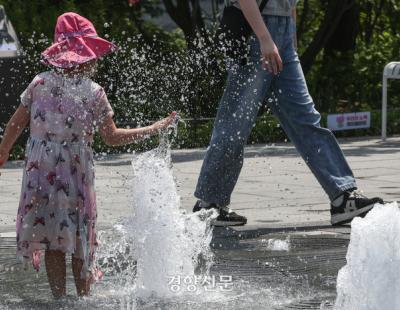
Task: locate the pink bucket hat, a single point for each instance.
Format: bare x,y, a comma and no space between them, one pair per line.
75,42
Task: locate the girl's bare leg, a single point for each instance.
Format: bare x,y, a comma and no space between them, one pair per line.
82,285
56,272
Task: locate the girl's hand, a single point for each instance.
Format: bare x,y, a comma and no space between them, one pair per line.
3,158
119,136
271,60
164,123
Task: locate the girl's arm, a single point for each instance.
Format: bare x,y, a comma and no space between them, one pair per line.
14,128
270,54
112,135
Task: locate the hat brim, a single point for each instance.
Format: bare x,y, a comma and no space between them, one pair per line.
75,51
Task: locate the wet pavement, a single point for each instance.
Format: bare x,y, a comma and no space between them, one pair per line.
302,276
309,265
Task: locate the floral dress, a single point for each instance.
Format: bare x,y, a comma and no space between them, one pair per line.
57,209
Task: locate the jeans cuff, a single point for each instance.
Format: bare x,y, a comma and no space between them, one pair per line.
342,189
219,202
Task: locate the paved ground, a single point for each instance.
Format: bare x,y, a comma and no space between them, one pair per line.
275,189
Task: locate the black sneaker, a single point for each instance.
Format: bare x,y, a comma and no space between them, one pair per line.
354,205
226,216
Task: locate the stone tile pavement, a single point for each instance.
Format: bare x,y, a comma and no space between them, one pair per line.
276,188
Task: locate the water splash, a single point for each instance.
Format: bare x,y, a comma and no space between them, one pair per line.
277,244
169,243
116,258
370,280
144,79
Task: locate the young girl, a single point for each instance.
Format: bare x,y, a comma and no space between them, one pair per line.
57,210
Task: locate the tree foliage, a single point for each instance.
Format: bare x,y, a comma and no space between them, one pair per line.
343,46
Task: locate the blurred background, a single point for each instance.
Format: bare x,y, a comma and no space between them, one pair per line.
167,60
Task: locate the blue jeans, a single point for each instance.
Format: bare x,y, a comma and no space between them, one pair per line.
247,87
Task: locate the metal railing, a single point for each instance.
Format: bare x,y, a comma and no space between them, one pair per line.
391,71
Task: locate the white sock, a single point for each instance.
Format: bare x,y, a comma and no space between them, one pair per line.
204,204
338,201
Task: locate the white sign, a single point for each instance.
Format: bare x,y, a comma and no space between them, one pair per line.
348,121
9,44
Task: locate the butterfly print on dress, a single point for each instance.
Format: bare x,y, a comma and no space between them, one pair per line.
39,220
60,108
25,244
51,176
41,114
77,158
46,199
49,136
81,196
33,165
75,138
46,242
63,224
85,219
47,150
72,216
56,91
63,176
30,186
73,170
63,187
59,159
28,208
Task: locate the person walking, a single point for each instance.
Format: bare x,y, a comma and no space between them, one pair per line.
273,69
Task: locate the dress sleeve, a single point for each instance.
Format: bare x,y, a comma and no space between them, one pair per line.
27,94
102,106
